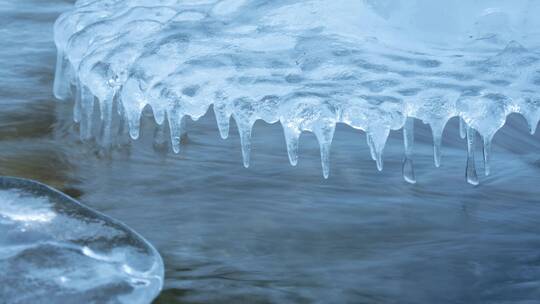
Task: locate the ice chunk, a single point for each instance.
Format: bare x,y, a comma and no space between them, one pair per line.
308,64
54,250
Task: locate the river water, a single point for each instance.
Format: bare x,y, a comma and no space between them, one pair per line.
275,233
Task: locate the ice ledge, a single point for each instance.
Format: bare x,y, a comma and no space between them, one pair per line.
306,64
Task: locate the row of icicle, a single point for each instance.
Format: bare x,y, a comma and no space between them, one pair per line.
84,111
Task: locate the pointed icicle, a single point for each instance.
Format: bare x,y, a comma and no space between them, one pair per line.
223,121
462,128
134,128
87,106
325,158
102,103
487,154
470,173
133,115
379,161
159,115
106,114
437,139
377,140
292,136
61,86
532,128
532,122
77,105
244,130
436,132
325,134
175,127
408,140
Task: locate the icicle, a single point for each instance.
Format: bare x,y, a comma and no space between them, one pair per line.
291,139
325,158
134,128
408,140
532,122
325,134
106,114
87,106
470,174
437,150
244,130
77,105
487,154
532,128
102,103
61,86
462,128
436,132
133,116
379,161
222,119
159,115
175,127
377,140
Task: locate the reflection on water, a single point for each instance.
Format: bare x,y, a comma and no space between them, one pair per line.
275,233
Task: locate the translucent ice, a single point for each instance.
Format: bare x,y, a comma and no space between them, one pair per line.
308,64
54,250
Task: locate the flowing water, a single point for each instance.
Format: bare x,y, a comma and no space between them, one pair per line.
275,233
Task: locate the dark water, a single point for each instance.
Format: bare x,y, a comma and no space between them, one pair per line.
274,233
